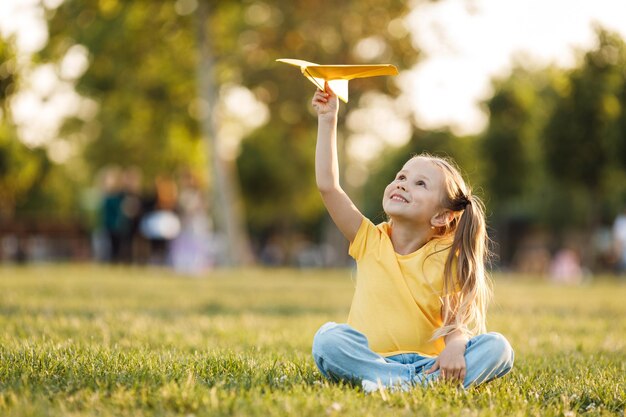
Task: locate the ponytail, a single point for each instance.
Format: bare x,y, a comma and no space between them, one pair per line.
466,288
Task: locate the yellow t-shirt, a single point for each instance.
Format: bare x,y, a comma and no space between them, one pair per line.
397,302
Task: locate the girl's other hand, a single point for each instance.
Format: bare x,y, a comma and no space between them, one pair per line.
451,362
325,102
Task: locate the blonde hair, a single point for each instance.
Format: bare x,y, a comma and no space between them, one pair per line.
466,290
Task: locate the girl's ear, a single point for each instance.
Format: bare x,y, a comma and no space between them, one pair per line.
442,219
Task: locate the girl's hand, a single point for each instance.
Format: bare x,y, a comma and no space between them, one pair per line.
451,362
325,102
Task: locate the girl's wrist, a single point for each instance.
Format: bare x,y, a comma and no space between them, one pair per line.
456,338
459,341
327,118
457,347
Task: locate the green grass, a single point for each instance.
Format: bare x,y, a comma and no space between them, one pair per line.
95,341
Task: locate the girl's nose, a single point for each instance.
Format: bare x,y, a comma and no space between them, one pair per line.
400,186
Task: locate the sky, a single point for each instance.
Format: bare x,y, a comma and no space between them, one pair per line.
466,43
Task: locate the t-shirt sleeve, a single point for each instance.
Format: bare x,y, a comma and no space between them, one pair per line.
366,233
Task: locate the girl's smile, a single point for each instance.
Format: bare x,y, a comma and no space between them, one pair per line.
398,197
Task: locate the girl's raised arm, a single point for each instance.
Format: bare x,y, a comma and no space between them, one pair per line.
341,209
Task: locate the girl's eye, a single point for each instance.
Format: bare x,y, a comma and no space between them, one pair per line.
420,183
401,177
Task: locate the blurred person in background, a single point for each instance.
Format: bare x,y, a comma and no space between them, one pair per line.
131,211
565,267
619,238
111,216
160,222
191,250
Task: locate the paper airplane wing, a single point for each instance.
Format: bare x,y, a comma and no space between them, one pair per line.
338,76
350,72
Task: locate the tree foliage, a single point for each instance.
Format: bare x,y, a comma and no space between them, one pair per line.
142,71
21,169
586,135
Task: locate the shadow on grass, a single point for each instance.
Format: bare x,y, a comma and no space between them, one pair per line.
289,310
210,309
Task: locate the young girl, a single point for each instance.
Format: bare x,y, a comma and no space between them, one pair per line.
421,287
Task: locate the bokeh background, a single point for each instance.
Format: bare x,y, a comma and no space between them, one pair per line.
164,132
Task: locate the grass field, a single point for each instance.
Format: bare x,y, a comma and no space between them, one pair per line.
95,341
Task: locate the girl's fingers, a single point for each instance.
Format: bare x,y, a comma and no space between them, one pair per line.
321,101
327,89
448,373
320,95
433,368
325,93
451,374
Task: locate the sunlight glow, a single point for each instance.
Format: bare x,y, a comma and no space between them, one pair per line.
25,20
378,121
466,43
74,63
239,113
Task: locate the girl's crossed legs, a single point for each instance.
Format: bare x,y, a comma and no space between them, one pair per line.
342,354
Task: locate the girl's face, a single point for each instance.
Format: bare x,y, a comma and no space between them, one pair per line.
416,192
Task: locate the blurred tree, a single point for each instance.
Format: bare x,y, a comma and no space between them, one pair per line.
145,67
142,67
552,148
505,143
585,137
515,178
21,169
227,196
144,58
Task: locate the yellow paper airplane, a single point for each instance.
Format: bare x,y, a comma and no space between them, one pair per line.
338,76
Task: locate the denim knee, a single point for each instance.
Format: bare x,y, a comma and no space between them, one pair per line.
327,338
500,350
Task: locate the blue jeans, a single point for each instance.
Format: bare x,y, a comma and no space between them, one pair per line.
342,354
